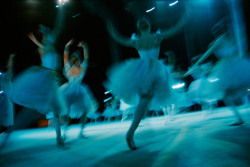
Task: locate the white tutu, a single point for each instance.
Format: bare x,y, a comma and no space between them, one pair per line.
229,77
134,77
232,74
110,112
79,99
36,88
199,92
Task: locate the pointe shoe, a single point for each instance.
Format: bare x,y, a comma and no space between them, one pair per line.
131,143
60,142
82,136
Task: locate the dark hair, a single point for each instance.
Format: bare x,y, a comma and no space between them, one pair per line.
77,54
143,23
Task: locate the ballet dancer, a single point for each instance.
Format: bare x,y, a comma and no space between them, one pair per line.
79,99
143,82
37,87
229,78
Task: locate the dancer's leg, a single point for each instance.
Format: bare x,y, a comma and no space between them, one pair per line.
139,113
67,120
57,122
83,121
231,104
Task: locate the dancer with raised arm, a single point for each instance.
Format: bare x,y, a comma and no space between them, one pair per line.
79,99
229,79
143,82
37,87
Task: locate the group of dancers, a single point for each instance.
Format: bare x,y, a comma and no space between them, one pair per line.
145,82
38,87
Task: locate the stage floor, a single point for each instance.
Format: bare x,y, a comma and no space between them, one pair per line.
187,141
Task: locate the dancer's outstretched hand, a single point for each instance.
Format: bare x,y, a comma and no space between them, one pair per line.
82,44
70,42
32,36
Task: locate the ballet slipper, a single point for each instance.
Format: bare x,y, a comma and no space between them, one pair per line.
64,137
131,143
82,136
60,142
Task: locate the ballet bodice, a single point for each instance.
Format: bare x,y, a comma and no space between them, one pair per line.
75,78
50,58
149,54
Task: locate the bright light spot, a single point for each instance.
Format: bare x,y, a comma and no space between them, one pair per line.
248,90
61,2
107,92
172,4
213,79
179,85
1,91
149,10
0,73
107,99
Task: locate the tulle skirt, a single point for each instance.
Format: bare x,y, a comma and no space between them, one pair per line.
135,77
199,92
37,88
6,111
79,99
229,77
110,112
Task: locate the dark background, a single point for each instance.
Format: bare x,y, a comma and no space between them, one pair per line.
84,20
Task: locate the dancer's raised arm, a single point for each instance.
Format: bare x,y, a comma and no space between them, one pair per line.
85,49
10,63
66,52
178,27
85,55
117,36
33,39
213,46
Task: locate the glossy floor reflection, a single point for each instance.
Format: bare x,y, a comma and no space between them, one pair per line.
187,141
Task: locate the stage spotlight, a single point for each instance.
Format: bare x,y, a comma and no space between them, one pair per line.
61,2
